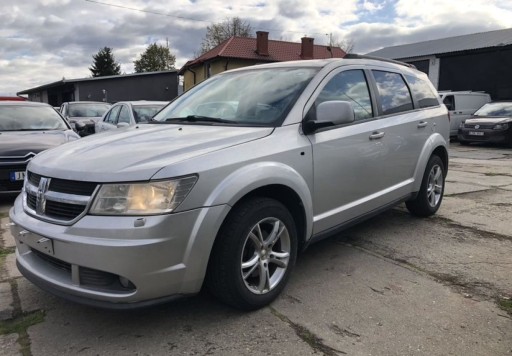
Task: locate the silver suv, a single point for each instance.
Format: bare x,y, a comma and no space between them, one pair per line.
230,182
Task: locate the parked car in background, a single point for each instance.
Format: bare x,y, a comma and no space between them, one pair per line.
290,153
491,123
461,105
129,113
27,128
83,115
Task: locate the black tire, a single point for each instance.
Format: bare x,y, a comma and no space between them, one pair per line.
235,244
430,196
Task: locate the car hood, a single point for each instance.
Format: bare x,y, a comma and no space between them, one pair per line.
138,152
19,143
488,120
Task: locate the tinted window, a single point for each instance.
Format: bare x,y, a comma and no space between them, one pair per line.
422,92
349,86
394,94
449,102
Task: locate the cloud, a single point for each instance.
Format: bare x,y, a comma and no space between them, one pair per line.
40,42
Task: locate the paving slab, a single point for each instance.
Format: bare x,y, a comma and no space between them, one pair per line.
6,305
8,345
33,298
489,210
365,305
6,238
478,179
197,326
10,266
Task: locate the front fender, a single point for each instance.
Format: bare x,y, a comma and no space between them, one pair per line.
251,177
434,141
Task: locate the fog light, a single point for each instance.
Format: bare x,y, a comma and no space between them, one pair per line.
125,282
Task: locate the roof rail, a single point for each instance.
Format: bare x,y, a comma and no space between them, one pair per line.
362,56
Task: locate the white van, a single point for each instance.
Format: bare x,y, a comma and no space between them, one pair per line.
461,105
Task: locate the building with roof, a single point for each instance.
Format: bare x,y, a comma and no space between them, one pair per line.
237,52
159,86
478,62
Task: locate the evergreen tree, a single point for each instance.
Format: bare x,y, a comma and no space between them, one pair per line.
104,63
154,59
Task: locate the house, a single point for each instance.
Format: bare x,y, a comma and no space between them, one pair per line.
237,52
478,62
138,86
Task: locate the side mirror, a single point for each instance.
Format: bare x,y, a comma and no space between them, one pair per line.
122,124
331,113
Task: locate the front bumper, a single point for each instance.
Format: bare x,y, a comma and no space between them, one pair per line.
486,135
117,262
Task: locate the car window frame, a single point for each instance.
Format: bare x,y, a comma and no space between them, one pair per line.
109,112
128,110
310,114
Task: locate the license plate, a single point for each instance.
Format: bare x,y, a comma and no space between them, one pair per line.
476,133
16,176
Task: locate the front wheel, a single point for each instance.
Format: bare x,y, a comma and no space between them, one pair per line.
429,198
253,254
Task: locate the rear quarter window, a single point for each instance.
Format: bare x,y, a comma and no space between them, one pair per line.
422,92
394,93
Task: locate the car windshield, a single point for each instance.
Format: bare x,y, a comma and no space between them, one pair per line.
146,112
30,118
87,110
258,97
495,109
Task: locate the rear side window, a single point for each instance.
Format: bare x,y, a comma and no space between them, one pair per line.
449,101
112,115
349,86
393,92
421,92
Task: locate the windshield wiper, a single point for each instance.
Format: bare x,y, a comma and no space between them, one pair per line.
198,118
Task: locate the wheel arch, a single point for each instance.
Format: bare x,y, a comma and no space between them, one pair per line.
437,145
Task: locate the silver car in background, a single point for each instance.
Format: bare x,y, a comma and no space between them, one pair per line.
231,181
129,113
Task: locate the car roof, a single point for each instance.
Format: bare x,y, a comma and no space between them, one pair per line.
88,102
22,103
143,102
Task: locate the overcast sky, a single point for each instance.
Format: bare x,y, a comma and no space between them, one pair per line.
42,41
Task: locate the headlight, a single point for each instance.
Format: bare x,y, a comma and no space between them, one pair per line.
142,198
500,127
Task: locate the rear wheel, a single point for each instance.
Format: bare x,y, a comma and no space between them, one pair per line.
429,197
253,255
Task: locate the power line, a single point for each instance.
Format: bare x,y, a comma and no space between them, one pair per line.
183,17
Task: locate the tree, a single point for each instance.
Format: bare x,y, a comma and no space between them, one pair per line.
156,58
221,31
104,63
346,44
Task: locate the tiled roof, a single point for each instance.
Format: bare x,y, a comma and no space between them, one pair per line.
279,51
447,45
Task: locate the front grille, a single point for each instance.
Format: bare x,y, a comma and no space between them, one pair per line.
65,200
64,211
52,261
88,277
6,185
483,127
93,277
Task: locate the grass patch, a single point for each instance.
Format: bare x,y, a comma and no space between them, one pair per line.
6,251
505,304
20,324
4,215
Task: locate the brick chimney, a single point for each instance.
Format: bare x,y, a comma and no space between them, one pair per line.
262,43
306,51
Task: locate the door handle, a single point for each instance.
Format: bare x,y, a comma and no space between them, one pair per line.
376,135
422,124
